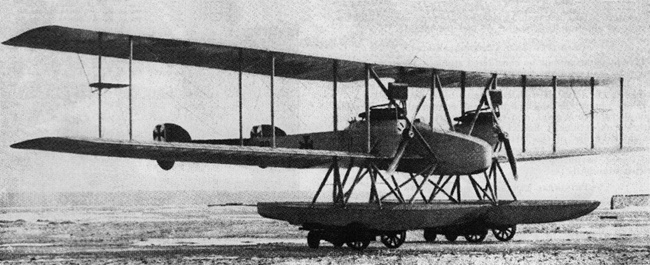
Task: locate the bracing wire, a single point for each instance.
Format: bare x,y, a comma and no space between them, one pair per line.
291,111
199,118
596,110
83,68
578,100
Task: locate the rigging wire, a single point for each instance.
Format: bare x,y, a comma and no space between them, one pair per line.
199,118
297,115
267,86
83,68
576,98
595,111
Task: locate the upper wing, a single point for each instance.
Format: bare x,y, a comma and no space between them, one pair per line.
290,65
192,152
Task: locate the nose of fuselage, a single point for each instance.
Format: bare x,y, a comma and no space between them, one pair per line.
456,153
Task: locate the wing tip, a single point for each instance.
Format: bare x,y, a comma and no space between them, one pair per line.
28,144
11,42
19,40
35,143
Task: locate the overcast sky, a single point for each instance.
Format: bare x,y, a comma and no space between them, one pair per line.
45,93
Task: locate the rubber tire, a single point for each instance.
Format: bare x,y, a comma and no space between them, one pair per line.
430,235
394,239
504,233
313,239
476,238
451,238
358,245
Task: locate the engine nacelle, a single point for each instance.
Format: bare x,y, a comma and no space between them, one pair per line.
483,128
169,132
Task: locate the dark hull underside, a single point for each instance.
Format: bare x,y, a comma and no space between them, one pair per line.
393,216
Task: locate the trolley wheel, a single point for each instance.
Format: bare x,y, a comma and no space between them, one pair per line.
313,239
393,239
429,235
357,236
475,238
504,233
451,237
358,244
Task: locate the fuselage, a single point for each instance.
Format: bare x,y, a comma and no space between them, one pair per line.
455,153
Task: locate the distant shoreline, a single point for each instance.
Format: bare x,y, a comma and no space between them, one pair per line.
144,198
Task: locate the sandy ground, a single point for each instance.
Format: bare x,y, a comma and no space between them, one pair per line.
192,234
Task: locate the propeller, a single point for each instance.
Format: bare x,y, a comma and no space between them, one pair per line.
407,135
503,138
409,126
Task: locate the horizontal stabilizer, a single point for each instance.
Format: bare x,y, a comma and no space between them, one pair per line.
193,152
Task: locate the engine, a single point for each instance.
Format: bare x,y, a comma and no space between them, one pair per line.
485,125
483,128
169,132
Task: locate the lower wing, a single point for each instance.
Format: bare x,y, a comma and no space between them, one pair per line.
533,156
193,152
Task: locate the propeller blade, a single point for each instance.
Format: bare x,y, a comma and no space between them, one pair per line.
503,137
398,156
424,143
511,156
406,138
418,108
417,132
408,122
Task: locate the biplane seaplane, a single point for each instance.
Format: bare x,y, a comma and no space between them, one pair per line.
413,169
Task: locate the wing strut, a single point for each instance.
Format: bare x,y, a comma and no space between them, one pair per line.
99,79
463,78
480,105
240,66
591,83
438,84
130,88
335,80
554,83
367,100
272,100
523,113
432,97
102,85
620,127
